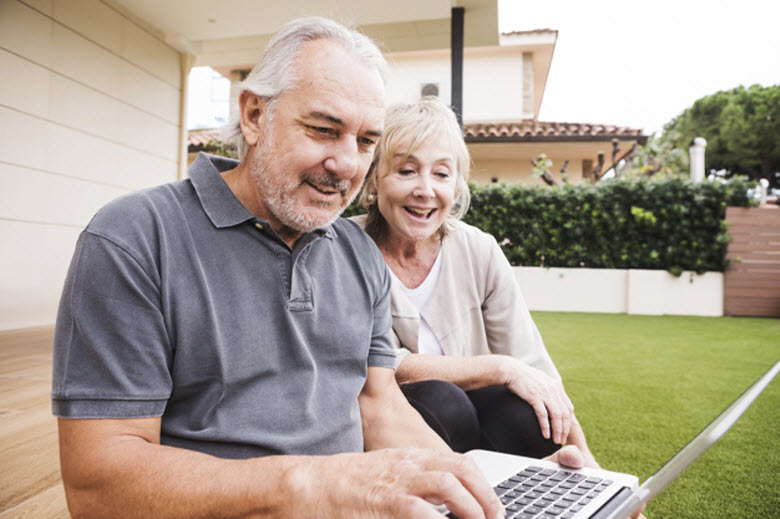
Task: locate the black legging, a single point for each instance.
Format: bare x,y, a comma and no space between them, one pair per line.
491,418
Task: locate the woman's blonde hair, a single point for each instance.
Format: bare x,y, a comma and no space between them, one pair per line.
407,127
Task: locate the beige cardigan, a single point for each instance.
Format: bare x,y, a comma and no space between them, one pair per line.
476,307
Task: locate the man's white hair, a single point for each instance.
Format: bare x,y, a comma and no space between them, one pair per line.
275,71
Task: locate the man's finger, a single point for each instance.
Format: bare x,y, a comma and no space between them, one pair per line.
414,506
469,477
480,488
472,479
448,489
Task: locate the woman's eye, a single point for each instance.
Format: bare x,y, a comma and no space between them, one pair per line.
442,174
405,171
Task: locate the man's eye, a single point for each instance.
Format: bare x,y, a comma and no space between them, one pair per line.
322,130
366,142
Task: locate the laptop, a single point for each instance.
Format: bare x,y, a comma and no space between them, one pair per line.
539,489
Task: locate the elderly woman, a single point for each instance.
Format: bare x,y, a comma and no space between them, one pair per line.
471,359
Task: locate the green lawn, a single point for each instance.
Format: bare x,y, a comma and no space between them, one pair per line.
645,385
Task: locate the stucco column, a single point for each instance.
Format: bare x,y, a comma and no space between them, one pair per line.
763,185
186,61
696,150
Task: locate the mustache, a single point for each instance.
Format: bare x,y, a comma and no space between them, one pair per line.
328,180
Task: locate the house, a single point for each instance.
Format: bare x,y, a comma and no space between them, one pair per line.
503,89
92,106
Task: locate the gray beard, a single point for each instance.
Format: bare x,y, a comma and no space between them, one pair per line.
278,196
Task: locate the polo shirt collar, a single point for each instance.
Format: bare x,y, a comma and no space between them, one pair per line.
218,201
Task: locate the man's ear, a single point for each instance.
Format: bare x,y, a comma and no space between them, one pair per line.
253,111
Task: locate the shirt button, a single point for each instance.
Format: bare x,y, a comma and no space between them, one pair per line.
259,225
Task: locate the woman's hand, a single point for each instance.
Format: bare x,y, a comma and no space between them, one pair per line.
573,457
545,394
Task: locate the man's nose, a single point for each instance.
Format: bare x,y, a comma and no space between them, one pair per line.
342,160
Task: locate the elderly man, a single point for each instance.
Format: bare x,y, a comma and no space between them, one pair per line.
216,333
218,336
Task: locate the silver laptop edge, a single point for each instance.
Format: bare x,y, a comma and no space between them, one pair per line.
695,448
497,467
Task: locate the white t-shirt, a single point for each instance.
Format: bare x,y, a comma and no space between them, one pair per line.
428,343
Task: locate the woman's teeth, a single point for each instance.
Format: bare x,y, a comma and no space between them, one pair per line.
420,212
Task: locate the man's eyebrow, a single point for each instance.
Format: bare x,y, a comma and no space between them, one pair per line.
326,117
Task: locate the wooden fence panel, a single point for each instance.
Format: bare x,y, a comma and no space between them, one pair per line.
752,281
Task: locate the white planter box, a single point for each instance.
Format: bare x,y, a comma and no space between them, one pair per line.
649,292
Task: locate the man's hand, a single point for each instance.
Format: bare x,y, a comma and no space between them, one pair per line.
545,394
117,468
399,483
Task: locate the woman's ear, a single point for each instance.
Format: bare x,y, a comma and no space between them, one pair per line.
370,186
253,111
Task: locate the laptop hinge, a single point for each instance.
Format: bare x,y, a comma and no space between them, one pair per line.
610,506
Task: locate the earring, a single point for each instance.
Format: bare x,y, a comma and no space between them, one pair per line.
371,197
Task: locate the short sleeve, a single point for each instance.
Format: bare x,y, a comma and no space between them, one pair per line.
112,355
382,350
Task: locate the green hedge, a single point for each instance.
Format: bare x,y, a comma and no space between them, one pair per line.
666,223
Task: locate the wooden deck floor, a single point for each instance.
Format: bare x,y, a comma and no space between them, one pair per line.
30,484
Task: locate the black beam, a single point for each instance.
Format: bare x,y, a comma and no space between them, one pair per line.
456,62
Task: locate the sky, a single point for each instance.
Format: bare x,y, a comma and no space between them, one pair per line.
628,63
640,64
208,99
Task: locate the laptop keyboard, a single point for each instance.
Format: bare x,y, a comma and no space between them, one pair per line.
537,493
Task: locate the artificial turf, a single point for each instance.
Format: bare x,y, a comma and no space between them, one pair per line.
643,386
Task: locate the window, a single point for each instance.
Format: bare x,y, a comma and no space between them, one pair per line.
429,89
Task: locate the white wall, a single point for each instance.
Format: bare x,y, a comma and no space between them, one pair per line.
645,292
520,169
487,96
409,70
493,85
89,110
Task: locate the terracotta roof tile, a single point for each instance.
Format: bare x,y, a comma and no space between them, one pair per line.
200,138
531,130
526,130
532,31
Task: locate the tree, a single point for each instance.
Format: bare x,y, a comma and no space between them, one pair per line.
217,147
741,126
659,156
541,168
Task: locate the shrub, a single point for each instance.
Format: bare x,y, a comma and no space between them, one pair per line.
665,223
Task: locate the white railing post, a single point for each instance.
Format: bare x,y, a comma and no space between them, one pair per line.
764,187
697,158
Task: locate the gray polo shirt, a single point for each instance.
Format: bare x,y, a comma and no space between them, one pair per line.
180,303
